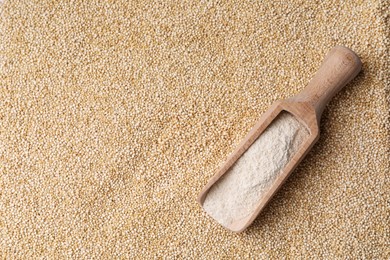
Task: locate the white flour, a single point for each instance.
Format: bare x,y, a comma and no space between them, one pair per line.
237,193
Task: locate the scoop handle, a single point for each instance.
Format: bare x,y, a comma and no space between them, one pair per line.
339,67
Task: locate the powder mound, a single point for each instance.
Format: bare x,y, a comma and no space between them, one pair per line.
237,193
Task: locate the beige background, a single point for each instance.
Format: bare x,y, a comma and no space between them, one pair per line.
114,115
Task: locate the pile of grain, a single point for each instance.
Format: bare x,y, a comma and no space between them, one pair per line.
113,116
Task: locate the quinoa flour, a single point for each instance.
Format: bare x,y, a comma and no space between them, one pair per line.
237,193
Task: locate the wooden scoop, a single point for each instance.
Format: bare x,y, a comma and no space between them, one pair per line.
339,67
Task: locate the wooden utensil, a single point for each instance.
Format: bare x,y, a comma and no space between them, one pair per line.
339,67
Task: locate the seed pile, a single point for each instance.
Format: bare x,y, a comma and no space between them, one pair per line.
114,115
